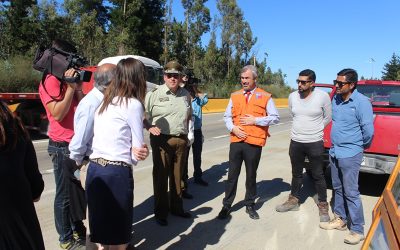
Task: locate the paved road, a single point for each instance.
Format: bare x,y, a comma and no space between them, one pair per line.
293,230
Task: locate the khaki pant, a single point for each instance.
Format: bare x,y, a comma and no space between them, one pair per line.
169,153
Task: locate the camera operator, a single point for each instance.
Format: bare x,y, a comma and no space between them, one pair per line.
199,99
60,99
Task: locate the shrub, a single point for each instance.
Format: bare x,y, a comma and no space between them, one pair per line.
17,75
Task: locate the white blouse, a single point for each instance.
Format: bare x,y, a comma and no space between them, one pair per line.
117,130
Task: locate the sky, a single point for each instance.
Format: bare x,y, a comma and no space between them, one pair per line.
323,35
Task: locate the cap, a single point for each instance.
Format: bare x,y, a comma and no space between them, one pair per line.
173,67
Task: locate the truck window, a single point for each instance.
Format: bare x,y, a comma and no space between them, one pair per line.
153,75
325,89
382,95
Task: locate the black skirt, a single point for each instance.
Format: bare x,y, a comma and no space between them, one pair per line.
109,193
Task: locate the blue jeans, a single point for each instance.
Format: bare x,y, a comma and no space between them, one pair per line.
347,202
62,165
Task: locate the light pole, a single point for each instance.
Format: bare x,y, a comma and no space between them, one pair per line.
371,60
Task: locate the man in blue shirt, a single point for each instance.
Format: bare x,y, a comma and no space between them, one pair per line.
352,132
199,99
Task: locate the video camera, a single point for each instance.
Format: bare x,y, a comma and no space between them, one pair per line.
56,62
191,79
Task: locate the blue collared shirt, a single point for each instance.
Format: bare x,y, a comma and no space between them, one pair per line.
81,143
270,119
197,103
352,125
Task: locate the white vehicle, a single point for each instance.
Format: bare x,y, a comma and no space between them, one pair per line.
154,70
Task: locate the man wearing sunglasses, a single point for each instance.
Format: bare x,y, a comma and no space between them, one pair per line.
311,111
352,132
249,113
168,110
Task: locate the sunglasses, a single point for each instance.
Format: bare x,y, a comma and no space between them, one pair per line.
302,82
174,75
339,83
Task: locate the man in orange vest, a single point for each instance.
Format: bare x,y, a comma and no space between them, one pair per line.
250,112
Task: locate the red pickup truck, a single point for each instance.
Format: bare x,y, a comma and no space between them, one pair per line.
381,157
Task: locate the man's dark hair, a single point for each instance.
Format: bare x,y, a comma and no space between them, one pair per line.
310,73
350,75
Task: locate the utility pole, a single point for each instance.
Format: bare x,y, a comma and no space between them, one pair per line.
121,49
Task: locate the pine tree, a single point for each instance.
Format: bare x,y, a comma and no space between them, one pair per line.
391,70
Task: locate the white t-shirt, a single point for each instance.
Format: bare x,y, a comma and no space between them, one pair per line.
117,130
310,115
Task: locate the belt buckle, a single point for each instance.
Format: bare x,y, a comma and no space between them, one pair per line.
102,162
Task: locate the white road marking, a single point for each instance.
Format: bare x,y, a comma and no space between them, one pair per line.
40,141
221,136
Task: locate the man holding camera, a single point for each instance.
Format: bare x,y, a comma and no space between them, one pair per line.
60,99
199,99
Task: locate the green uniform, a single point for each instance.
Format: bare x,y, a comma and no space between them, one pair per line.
168,111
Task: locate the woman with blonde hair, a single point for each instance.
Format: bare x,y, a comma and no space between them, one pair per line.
118,128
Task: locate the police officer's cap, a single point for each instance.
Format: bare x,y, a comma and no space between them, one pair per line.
173,67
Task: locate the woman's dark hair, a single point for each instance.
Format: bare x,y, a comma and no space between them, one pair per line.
11,129
129,81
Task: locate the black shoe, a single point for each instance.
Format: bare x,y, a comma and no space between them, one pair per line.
162,222
201,182
182,214
224,213
252,213
186,195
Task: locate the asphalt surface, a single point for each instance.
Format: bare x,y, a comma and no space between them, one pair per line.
292,230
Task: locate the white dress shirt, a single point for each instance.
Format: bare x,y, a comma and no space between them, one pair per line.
81,143
117,130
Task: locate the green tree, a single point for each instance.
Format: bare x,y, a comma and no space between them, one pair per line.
77,8
51,24
175,44
18,31
236,35
197,23
88,19
391,70
136,26
212,62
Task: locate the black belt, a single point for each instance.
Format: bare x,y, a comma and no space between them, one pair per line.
176,136
58,144
103,162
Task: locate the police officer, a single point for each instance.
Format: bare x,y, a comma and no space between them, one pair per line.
168,110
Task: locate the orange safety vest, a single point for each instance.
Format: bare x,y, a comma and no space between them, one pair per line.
257,105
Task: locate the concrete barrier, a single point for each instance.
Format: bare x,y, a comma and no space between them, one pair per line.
219,105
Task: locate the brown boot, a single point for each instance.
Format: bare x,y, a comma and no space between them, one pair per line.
323,207
292,204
